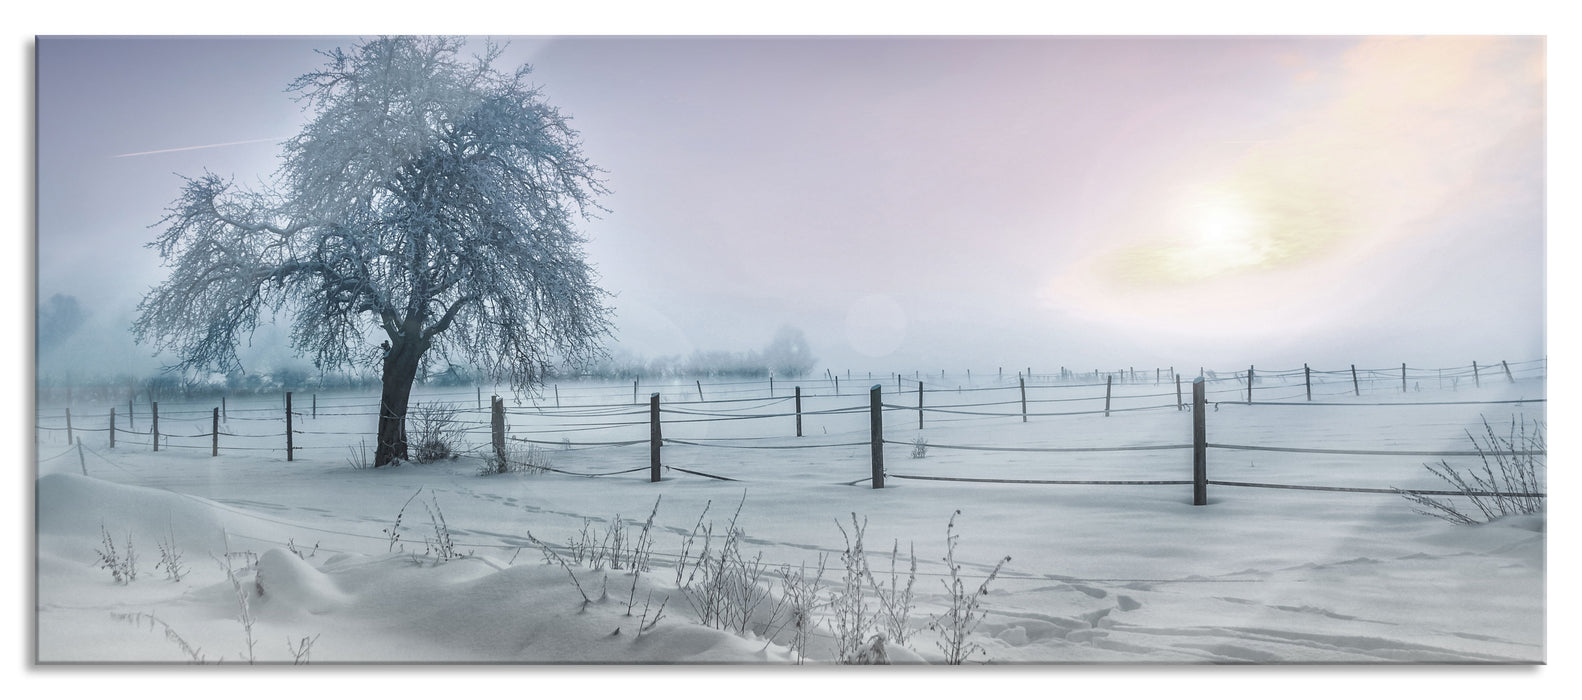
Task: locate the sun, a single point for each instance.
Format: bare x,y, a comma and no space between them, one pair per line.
1222,235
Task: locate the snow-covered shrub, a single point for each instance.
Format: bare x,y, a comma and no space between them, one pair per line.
301,650
725,588
359,458
800,598
851,618
871,653
746,588
123,568
704,587
169,558
690,540
291,546
528,459
895,600
964,613
919,447
441,548
393,533
1499,488
584,548
138,618
245,615
550,555
641,551
434,432
645,624
618,547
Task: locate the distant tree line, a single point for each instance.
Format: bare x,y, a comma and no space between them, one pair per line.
787,355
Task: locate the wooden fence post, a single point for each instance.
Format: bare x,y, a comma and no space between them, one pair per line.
81,461
1507,371
1307,378
837,386
1178,390
1249,383
634,391
771,386
700,388
876,430
155,410
69,439
1355,388
799,411
497,429
557,396
112,427
480,399
1199,444
315,407
224,414
919,405
1108,379
1023,384
214,449
1403,377
654,437
1475,381
131,416
290,449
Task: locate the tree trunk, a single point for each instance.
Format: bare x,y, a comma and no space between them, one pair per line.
400,370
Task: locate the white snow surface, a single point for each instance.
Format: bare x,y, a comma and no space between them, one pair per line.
1098,573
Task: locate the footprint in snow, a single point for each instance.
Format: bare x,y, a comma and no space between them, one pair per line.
1090,591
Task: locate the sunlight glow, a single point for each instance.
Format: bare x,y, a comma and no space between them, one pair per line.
1224,236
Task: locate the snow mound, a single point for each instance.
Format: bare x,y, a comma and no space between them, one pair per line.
288,581
73,508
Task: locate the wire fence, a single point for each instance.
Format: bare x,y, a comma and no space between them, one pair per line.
189,428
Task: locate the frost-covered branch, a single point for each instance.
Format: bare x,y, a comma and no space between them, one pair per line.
430,201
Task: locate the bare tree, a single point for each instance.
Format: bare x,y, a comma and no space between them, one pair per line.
425,212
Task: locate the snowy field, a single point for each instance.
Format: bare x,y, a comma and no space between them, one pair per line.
1098,572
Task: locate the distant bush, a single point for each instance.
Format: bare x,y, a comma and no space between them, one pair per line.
786,355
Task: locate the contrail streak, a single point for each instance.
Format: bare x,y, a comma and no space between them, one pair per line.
194,148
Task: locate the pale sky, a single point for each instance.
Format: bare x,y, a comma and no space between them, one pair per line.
936,203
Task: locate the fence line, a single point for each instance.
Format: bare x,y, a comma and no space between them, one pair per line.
1128,448
1496,494
1377,453
671,441
1048,482
752,409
